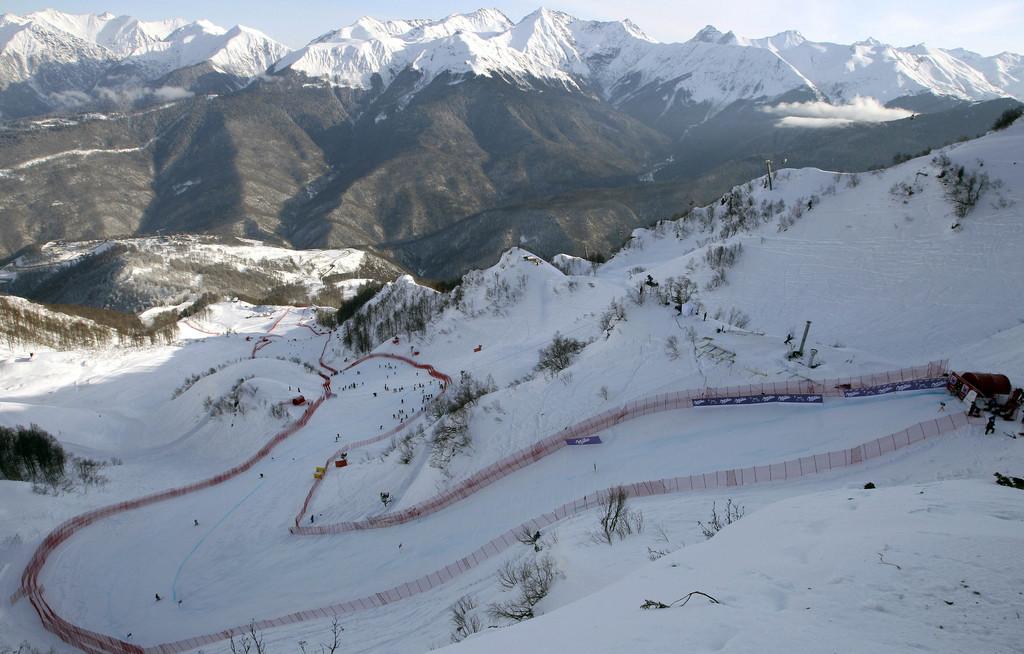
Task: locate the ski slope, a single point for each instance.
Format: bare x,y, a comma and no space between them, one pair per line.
247,559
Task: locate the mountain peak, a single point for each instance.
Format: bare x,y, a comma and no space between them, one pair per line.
788,39
709,34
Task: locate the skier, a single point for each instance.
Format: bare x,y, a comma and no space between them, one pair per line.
789,338
990,426
157,596
195,522
312,519
942,406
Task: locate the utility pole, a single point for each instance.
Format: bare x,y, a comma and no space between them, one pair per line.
768,165
803,340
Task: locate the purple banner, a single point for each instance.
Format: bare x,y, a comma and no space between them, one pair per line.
812,398
897,387
585,440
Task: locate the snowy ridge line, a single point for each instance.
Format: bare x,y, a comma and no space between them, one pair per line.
789,470
440,376
932,373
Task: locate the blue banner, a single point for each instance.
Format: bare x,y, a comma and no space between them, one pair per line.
813,398
897,387
585,440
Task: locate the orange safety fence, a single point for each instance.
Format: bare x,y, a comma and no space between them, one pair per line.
631,410
93,642
721,479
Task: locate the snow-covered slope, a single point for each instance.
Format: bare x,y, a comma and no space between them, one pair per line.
819,242
850,570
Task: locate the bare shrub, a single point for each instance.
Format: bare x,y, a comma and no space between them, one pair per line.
247,641
88,471
617,519
672,347
560,354
963,187
449,438
737,318
723,256
615,312
531,580
463,619
407,446
718,278
733,512
461,394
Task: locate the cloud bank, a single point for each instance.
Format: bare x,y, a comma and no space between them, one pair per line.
822,114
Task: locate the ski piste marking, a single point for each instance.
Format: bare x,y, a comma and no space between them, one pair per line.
94,642
195,548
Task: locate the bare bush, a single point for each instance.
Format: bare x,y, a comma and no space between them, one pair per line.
247,641
733,512
737,318
672,347
233,401
617,519
963,187
461,394
449,438
560,354
407,446
531,580
718,279
464,620
615,313
723,256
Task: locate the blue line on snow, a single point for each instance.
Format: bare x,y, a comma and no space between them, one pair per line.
174,584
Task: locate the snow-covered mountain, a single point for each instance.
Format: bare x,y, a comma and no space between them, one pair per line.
51,60
875,69
239,51
610,57
122,35
55,52
617,59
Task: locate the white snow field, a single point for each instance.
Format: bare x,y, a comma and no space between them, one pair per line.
927,561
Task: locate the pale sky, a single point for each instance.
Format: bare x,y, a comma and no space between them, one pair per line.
985,26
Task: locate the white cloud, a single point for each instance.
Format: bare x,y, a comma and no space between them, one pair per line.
823,114
128,95
805,121
168,93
